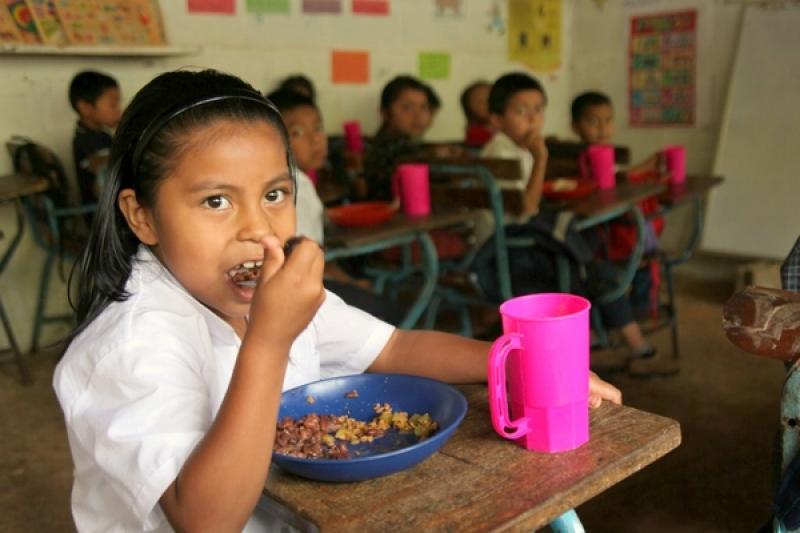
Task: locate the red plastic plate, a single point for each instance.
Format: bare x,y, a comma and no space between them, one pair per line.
362,214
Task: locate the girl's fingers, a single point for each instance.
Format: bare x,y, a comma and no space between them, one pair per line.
273,257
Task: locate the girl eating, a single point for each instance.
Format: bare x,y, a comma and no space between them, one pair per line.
192,320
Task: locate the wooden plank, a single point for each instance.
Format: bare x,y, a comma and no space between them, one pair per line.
620,197
19,185
479,481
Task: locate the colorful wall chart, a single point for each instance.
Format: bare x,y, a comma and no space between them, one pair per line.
661,79
23,17
534,33
47,23
9,33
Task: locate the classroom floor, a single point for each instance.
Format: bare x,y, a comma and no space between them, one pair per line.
719,479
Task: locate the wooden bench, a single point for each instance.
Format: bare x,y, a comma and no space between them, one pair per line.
562,160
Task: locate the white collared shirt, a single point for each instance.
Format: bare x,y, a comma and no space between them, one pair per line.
140,386
503,147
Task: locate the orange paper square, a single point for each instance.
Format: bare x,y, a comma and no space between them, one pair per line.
349,67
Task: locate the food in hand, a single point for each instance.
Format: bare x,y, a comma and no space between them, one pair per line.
326,436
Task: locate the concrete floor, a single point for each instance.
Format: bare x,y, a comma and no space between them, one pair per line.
719,479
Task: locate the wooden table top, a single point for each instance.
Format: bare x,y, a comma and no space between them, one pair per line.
399,224
692,187
622,196
479,482
18,185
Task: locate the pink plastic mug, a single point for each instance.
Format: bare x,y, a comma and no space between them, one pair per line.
353,142
675,161
410,183
546,346
597,163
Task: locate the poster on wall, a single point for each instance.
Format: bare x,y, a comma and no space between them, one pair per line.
9,33
46,20
534,33
370,7
661,77
350,66
23,18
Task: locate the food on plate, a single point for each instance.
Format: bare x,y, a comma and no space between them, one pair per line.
326,436
352,394
310,399
564,184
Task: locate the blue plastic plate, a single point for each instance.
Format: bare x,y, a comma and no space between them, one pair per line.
395,451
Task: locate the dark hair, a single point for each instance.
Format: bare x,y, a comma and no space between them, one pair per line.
507,86
153,129
89,86
584,101
300,84
287,101
465,94
391,91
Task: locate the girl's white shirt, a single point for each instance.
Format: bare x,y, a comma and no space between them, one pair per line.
140,386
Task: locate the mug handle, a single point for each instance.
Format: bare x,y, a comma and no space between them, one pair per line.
498,399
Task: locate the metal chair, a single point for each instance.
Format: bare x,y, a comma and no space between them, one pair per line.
58,227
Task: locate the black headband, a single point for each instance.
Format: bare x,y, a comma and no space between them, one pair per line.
160,121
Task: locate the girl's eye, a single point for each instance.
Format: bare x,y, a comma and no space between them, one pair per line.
276,196
217,202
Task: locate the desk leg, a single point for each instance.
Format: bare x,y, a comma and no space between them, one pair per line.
567,523
25,374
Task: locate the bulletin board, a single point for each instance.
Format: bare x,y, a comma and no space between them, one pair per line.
81,22
756,210
662,58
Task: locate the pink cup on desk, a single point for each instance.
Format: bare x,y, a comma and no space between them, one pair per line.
597,163
410,183
675,161
546,346
353,141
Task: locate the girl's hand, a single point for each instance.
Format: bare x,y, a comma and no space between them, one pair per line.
600,390
289,291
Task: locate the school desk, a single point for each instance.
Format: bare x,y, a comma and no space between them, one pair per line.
12,189
400,230
479,481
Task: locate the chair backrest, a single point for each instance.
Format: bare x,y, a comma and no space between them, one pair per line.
31,158
562,160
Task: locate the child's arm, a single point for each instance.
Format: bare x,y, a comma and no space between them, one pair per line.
219,485
533,190
456,359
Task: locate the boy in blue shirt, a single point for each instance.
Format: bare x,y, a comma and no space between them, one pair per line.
95,97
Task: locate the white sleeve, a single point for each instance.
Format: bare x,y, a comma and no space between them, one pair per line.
348,339
142,411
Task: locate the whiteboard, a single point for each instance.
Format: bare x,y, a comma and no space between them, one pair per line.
756,210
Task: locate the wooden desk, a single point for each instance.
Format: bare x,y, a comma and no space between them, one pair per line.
603,205
12,189
479,481
400,230
693,187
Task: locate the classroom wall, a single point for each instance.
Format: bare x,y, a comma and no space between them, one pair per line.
600,61
263,49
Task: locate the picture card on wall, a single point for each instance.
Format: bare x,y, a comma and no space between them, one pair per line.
23,18
322,6
349,66
268,6
9,33
371,7
226,7
434,65
46,20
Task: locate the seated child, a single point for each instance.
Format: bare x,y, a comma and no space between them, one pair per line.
309,145
407,110
298,83
593,121
96,99
192,320
517,103
475,103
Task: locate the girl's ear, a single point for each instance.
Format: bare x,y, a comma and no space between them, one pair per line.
139,218
496,122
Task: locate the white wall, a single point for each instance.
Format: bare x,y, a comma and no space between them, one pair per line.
263,49
600,61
